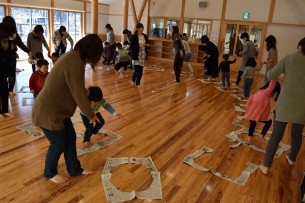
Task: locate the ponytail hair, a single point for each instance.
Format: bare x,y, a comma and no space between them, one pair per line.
302,45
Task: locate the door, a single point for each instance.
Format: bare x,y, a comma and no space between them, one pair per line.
230,39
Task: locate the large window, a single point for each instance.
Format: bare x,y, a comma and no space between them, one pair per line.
71,20
26,19
1,13
195,28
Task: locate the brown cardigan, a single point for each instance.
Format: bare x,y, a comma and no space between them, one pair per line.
63,91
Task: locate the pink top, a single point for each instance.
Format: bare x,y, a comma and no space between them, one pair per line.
258,106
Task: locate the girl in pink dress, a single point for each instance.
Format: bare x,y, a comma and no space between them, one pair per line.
258,107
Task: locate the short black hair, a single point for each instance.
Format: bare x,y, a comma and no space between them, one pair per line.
42,62
95,93
251,62
225,56
204,39
62,28
55,54
119,45
10,20
38,29
126,31
108,26
244,35
39,55
106,43
125,42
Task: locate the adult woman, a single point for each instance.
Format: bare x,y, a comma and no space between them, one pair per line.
272,57
35,40
138,45
112,45
7,33
247,52
64,90
290,105
179,52
60,40
17,42
212,56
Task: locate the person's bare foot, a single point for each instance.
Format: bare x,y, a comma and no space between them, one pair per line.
58,179
86,144
291,163
1,116
249,140
87,172
264,169
132,84
8,115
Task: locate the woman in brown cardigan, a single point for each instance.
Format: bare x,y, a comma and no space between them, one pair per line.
64,90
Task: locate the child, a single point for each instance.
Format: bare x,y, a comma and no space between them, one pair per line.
258,107
105,53
122,59
248,74
188,53
54,57
38,78
33,60
97,100
224,67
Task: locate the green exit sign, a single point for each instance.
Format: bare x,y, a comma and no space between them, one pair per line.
246,15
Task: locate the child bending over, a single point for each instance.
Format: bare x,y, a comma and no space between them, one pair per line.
122,59
258,107
97,100
38,77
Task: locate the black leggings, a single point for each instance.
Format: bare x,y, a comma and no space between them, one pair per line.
137,74
265,129
238,79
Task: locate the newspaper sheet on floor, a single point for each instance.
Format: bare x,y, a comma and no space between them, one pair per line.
154,68
238,107
225,89
114,195
206,81
27,101
24,89
238,122
111,138
105,67
241,180
238,97
233,137
28,127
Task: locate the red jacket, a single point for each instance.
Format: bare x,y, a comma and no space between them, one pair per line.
37,81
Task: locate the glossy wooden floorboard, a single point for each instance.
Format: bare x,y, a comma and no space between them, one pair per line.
160,120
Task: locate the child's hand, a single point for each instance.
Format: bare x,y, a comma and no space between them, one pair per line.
94,120
32,91
235,56
115,114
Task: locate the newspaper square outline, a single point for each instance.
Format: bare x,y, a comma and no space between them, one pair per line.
24,91
112,194
240,180
27,101
238,107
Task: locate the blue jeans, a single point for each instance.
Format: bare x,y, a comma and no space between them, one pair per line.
62,141
247,86
90,127
225,76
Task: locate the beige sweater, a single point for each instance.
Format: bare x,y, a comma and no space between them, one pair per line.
64,90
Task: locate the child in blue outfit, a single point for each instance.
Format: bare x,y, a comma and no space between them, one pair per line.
97,100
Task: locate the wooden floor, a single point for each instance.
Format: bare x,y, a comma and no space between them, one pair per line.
160,120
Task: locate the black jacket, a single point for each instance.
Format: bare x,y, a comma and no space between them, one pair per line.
135,47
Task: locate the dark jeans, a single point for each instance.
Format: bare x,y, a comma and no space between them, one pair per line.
61,49
265,129
110,53
178,63
137,74
277,135
35,95
90,127
62,141
3,94
225,76
238,77
247,86
12,77
33,67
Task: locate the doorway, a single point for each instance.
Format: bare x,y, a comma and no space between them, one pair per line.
230,41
